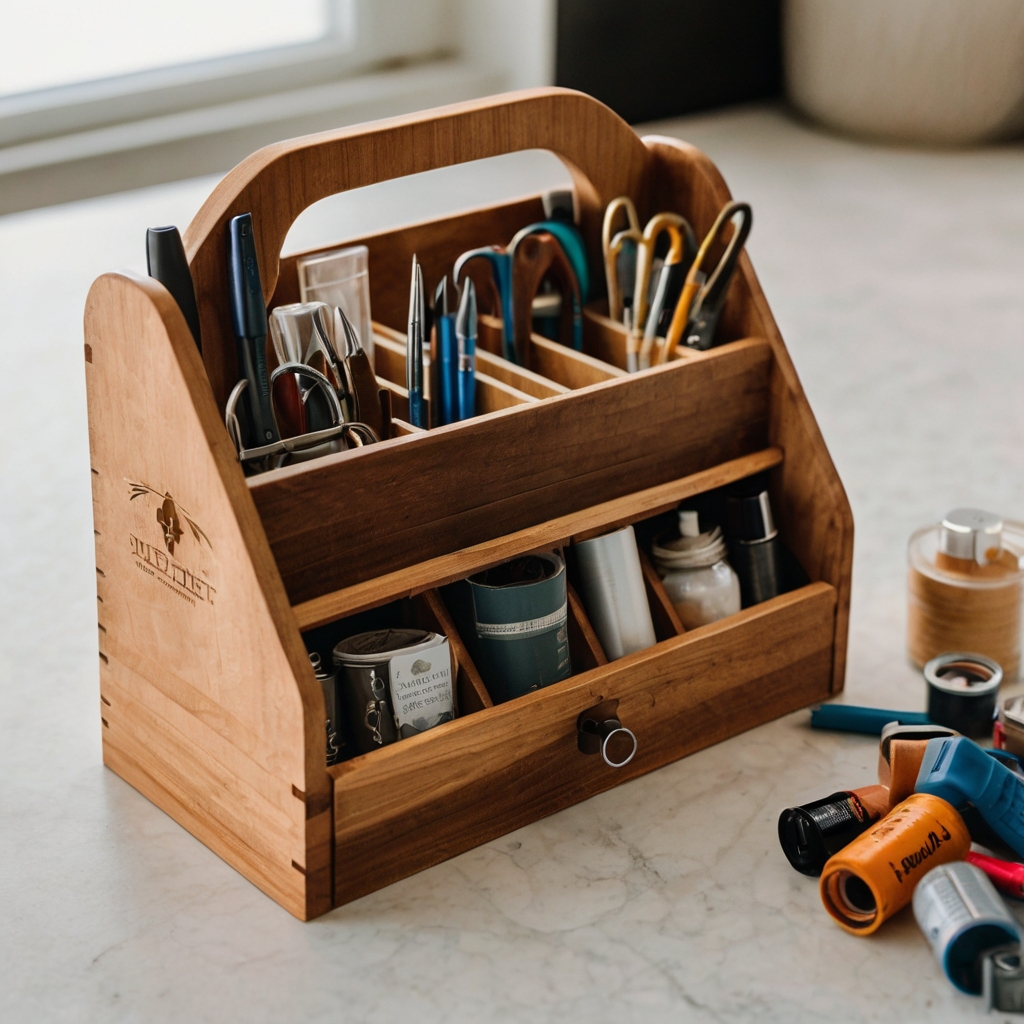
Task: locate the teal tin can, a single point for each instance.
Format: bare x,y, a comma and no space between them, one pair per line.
520,618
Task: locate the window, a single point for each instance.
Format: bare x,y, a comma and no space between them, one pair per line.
102,95
61,42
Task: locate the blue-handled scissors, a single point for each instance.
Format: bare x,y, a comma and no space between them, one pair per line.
501,268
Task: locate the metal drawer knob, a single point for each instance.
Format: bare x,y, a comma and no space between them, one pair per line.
599,731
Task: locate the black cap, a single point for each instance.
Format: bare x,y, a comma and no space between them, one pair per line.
748,512
812,833
166,262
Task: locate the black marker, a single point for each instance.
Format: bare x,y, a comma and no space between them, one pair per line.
249,316
165,261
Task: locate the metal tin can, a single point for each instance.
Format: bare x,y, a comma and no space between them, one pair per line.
520,617
963,918
328,681
394,683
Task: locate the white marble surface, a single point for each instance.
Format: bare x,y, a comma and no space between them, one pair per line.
897,278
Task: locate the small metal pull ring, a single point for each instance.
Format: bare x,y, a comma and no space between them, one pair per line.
615,737
599,731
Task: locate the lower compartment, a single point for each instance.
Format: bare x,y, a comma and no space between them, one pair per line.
418,802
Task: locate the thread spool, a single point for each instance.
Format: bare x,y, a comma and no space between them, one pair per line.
962,692
963,918
874,877
966,589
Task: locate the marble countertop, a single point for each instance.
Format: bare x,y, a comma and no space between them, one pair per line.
897,278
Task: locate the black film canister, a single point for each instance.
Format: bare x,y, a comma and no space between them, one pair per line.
962,691
813,832
754,548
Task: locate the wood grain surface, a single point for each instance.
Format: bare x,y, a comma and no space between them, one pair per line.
209,697
459,485
597,519
419,802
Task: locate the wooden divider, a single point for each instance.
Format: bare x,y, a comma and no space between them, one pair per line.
456,565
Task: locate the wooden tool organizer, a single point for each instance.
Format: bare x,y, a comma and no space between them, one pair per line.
206,580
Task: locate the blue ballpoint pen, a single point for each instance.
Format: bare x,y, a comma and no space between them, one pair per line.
249,316
447,358
465,334
414,348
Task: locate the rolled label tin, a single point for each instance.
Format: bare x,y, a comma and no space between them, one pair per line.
520,617
394,683
875,876
963,918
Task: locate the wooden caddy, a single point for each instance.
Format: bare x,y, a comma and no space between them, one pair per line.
206,579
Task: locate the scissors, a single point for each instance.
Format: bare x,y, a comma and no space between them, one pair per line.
619,251
352,434
703,295
534,256
501,267
677,229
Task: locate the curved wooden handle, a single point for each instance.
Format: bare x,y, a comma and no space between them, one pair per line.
278,182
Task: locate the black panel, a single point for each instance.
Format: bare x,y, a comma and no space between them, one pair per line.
649,59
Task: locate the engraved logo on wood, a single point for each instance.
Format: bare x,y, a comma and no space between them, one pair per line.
189,584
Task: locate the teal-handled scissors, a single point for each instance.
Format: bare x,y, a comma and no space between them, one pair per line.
501,268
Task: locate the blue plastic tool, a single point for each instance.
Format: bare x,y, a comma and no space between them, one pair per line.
871,721
960,772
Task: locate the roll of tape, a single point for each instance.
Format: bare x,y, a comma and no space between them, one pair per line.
962,692
875,876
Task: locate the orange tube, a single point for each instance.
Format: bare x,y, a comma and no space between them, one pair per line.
874,877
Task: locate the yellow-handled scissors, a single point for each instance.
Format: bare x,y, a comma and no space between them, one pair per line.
703,295
677,229
619,251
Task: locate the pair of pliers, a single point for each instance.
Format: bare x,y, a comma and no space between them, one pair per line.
707,282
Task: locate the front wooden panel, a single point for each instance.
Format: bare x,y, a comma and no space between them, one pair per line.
420,801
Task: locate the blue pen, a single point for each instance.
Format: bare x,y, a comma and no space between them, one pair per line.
414,347
465,333
447,358
850,718
249,316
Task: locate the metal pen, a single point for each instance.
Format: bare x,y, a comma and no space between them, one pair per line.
414,347
465,336
249,316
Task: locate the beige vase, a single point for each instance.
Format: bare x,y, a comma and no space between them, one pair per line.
947,72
